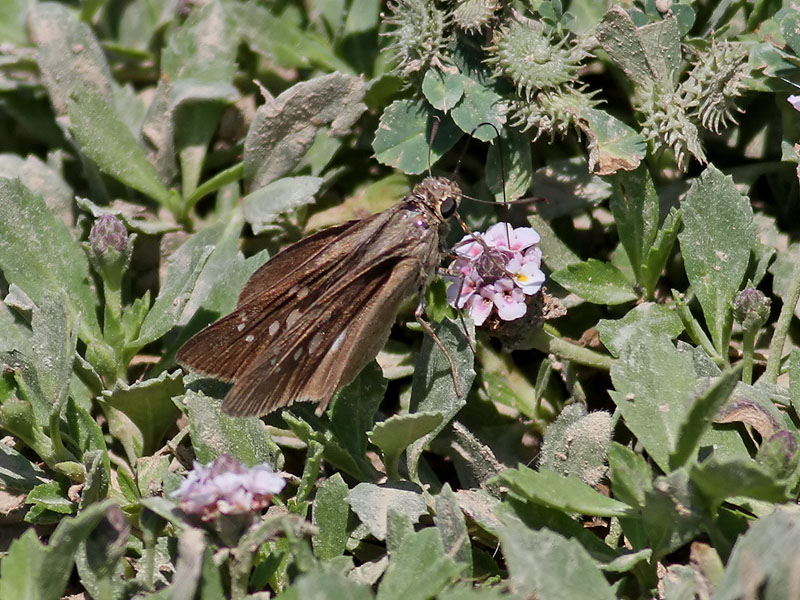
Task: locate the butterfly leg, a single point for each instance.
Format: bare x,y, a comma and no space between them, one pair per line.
459,277
429,330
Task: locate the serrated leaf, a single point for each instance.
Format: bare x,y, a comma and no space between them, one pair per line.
25,223
619,37
329,516
108,142
263,206
432,388
655,318
568,494
673,513
53,344
653,383
721,479
543,564
418,569
596,282
214,433
716,240
403,138
372,502
443,89
285,127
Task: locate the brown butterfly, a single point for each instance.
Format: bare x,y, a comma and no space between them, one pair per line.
318,312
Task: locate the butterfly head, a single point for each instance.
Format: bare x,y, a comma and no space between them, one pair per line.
440,195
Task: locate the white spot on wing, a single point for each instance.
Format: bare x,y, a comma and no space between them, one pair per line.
313,345
240,327
293,317
297,354
274,327
249,338
338,341
302,292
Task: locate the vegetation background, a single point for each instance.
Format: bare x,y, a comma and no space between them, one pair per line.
153,154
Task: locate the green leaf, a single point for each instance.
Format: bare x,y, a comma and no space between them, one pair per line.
452,526
352,412
655,318
418,569
576,444
634,204
108,142
514,180
14,332
264,205
479,104
767,553
432,388
53,343
613,145
372,502
139,415
329,516
33,571
42,179
69,56
569,188
321,585
621,39
397,432
568,494
543,564
214,433
403,138
285,127
596,282
17,472
673,513
25,223
653,383
631,476
721,479
699,417
443,89
716,241
182,271
658,254
282,41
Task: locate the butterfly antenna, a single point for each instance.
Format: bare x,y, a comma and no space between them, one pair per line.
434,131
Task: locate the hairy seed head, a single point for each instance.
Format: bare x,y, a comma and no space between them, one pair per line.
532,58
474,15
419,35
551,112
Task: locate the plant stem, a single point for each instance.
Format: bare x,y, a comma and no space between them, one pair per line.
748,345
546,340
782,328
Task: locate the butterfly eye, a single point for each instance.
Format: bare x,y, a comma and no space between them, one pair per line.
448,207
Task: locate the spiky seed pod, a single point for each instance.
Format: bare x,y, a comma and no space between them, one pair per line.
666,123
420,35
718,78
473,15
532,58
551,112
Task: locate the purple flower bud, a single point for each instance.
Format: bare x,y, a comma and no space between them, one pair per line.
751,308
226,487
779,453
498,268
108,232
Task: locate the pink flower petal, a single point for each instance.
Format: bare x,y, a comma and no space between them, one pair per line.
794,101
479,309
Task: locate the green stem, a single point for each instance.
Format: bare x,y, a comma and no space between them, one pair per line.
113,333
212,185
782,328
546,340
748,346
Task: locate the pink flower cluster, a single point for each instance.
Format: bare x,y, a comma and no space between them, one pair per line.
498,269
226,487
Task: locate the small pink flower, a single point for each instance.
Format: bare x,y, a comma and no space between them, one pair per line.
498,269
226,487
794,101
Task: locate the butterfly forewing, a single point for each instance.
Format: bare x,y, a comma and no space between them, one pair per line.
314,315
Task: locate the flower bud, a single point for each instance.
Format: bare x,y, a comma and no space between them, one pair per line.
751,308
109,246
779,453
